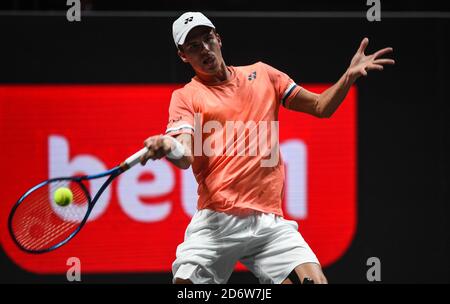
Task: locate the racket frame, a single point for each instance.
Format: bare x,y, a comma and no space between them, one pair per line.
112,173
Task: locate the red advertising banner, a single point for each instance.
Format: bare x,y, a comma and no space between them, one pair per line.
48,131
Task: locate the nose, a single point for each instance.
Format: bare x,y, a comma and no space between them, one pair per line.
205,46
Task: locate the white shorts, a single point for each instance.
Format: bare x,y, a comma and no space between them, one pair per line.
267,244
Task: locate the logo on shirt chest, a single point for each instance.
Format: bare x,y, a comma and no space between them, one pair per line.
252,76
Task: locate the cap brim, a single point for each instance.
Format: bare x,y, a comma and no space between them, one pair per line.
186,32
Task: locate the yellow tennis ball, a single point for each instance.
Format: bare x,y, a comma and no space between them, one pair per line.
63,196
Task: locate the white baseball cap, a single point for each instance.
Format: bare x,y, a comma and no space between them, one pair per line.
185,23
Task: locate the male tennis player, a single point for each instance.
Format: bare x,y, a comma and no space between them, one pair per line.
239,216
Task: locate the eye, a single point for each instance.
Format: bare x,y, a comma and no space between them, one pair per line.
193,46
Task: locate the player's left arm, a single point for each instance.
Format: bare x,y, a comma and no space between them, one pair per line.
325,104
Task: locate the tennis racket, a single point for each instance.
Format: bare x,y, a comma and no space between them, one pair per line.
38,225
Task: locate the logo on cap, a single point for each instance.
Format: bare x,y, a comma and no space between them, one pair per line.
188,20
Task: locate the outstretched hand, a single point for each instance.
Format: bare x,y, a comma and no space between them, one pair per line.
362,63
158,147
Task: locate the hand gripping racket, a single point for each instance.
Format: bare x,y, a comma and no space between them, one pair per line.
38,225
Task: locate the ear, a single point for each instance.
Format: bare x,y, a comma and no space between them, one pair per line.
182,56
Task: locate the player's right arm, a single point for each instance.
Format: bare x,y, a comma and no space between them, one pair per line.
160,146
177,143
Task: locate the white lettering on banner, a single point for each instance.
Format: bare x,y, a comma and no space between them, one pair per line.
74,12
295,157
131,190
374,272
60,165
271,150
374,12
74,272
189,194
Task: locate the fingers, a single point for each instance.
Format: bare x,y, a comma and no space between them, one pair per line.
377,66
374,67
146,157
150,153
384,61
147,143
363,72
383,52
143,159
156,149
363,45
153,155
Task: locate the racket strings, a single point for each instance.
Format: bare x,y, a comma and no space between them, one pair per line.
39,223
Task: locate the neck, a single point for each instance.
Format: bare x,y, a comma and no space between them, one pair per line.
222,75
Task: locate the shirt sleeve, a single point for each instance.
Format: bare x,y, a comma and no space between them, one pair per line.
181,116
284,86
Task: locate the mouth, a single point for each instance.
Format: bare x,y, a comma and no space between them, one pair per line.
209,60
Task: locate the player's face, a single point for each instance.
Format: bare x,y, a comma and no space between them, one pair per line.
202,50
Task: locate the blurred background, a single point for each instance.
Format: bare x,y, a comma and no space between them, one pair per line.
377,186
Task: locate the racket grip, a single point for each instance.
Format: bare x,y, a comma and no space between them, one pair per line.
134,159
